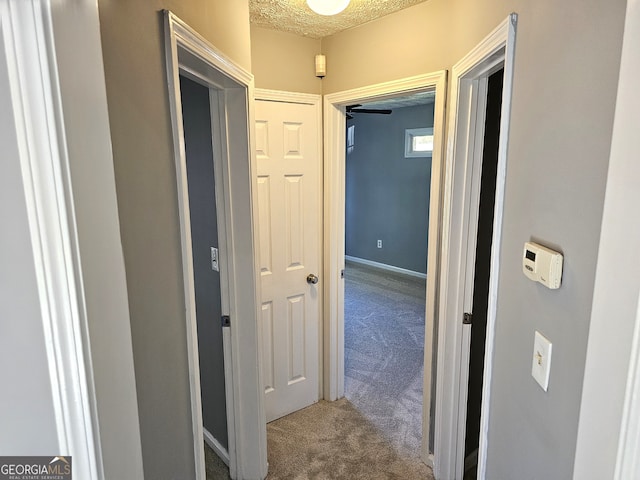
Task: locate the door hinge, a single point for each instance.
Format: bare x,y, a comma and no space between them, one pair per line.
226,321
467,318
214,259
342,273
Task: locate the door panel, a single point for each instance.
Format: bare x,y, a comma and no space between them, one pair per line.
267,352
289,216
264,222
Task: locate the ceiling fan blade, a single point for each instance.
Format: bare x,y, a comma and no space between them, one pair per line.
370,110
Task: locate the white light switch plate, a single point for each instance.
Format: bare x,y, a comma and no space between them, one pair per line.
541,365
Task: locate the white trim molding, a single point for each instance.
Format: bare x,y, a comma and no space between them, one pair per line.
460,209
334,221
189,53
627,461
384,266
287,97
216,446
27,35
625,147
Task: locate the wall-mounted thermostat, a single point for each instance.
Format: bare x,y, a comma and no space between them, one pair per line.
541,264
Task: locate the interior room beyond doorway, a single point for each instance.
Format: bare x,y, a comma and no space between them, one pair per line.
388,177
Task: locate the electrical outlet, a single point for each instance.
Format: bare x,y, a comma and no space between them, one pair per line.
541,365
379,243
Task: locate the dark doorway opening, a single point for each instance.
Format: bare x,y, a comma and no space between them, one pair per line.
482,271
196,114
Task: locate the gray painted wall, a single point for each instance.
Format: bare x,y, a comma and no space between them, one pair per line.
561,121
615,313
387,195
134,62
204,235
567,60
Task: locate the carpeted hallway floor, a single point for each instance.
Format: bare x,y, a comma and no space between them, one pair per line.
329,441
384,349
375,432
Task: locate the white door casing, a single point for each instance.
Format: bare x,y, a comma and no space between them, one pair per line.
54,98
34,144
289,163
334,221
190,54
460,209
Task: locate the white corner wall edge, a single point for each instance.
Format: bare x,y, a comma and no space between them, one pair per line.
613,349
627,461
72,210
26,43
82,107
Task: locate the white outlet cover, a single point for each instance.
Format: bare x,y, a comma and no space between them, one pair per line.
541,365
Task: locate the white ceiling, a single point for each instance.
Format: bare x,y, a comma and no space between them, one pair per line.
421,98
294,16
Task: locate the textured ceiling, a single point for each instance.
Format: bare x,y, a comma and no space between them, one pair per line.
421,98
294,16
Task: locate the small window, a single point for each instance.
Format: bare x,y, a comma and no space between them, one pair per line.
351,138
418,142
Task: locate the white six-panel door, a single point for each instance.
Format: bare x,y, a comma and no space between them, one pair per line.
289,222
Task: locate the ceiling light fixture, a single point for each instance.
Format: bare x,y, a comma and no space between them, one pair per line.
328,7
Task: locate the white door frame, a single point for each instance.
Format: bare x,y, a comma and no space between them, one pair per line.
334,221
34,88
316,101
71,206
460,213
232,113
70,198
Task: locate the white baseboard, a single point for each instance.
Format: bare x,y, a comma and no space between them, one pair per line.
384,266
216,447
471,460
429,461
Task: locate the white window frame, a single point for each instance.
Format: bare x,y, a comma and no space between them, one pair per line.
409,135
351,138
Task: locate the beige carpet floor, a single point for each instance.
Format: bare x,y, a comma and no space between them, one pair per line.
375,432
326,441
384,352
215,467
333,440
